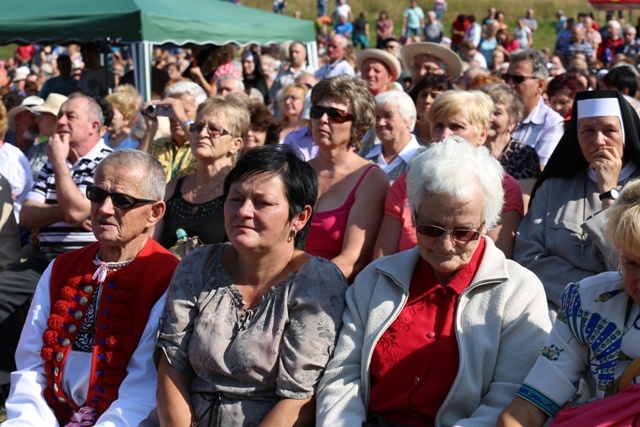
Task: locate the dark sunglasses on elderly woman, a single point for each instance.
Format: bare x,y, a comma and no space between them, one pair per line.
459,234
119,200
333,114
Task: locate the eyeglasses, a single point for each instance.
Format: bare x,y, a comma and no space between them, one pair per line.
515,78
119,200
333,114
427,69
459,234
214,131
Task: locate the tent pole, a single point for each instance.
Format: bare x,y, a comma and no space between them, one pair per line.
312,54
146,61
142,68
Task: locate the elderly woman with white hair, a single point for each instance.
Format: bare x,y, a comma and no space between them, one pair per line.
395,120
180,104
466,114
440,334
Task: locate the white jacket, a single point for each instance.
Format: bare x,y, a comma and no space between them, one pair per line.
501,324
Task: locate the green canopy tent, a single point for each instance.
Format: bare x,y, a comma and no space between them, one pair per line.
143,23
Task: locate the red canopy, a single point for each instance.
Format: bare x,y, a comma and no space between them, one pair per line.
615,4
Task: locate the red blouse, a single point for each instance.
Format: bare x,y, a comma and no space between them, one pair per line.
409,382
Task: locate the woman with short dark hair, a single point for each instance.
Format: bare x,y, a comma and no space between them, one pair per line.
248,326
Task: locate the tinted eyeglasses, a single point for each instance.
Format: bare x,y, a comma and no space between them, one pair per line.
459,234
119,200
214,131
333,114
515,78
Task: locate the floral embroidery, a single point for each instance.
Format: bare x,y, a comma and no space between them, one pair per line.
552,352
602,336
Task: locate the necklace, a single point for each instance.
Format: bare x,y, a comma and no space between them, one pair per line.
196,189
583,236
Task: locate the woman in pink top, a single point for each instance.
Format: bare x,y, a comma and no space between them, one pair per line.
351,190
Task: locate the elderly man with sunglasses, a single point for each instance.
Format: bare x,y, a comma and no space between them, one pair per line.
542,127
85,354
56,211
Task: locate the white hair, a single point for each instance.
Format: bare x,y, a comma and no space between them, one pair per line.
236,81
184,87
403,102
456,168
614,23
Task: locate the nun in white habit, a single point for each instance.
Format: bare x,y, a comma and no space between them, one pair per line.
561,237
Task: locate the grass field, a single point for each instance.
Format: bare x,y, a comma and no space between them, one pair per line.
545,13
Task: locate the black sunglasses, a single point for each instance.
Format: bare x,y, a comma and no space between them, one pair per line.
459,234
213,130
333,114
119,200
515,78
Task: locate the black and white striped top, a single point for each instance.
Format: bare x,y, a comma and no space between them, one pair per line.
61,236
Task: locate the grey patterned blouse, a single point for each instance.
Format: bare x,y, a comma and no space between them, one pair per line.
241,362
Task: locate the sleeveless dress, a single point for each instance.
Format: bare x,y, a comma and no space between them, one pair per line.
205,220
326,232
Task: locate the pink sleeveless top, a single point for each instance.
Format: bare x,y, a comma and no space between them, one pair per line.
326,232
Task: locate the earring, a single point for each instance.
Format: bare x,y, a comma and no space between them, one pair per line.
620,270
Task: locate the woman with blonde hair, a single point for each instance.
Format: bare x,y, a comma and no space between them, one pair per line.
595,337
466,114
291,100
195,202
125,103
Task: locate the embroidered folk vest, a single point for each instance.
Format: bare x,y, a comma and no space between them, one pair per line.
126,299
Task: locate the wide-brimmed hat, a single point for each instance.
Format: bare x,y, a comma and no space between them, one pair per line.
390,61
452,62
25,105
51,105
21,73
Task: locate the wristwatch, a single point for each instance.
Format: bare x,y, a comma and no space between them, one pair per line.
611,194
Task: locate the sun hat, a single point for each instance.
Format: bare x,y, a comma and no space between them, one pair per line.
390,61
51,105
25,105
452,62
21,74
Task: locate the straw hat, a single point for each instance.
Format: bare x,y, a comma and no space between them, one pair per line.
390,61
452,62
27,103
51,105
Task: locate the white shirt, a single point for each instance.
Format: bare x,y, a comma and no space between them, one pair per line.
14,166
26,405
400,163
336,69
541,129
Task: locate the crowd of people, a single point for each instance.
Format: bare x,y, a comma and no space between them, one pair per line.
439,230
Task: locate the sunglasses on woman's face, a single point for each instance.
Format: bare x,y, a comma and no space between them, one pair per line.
459,234
119,200
333,114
